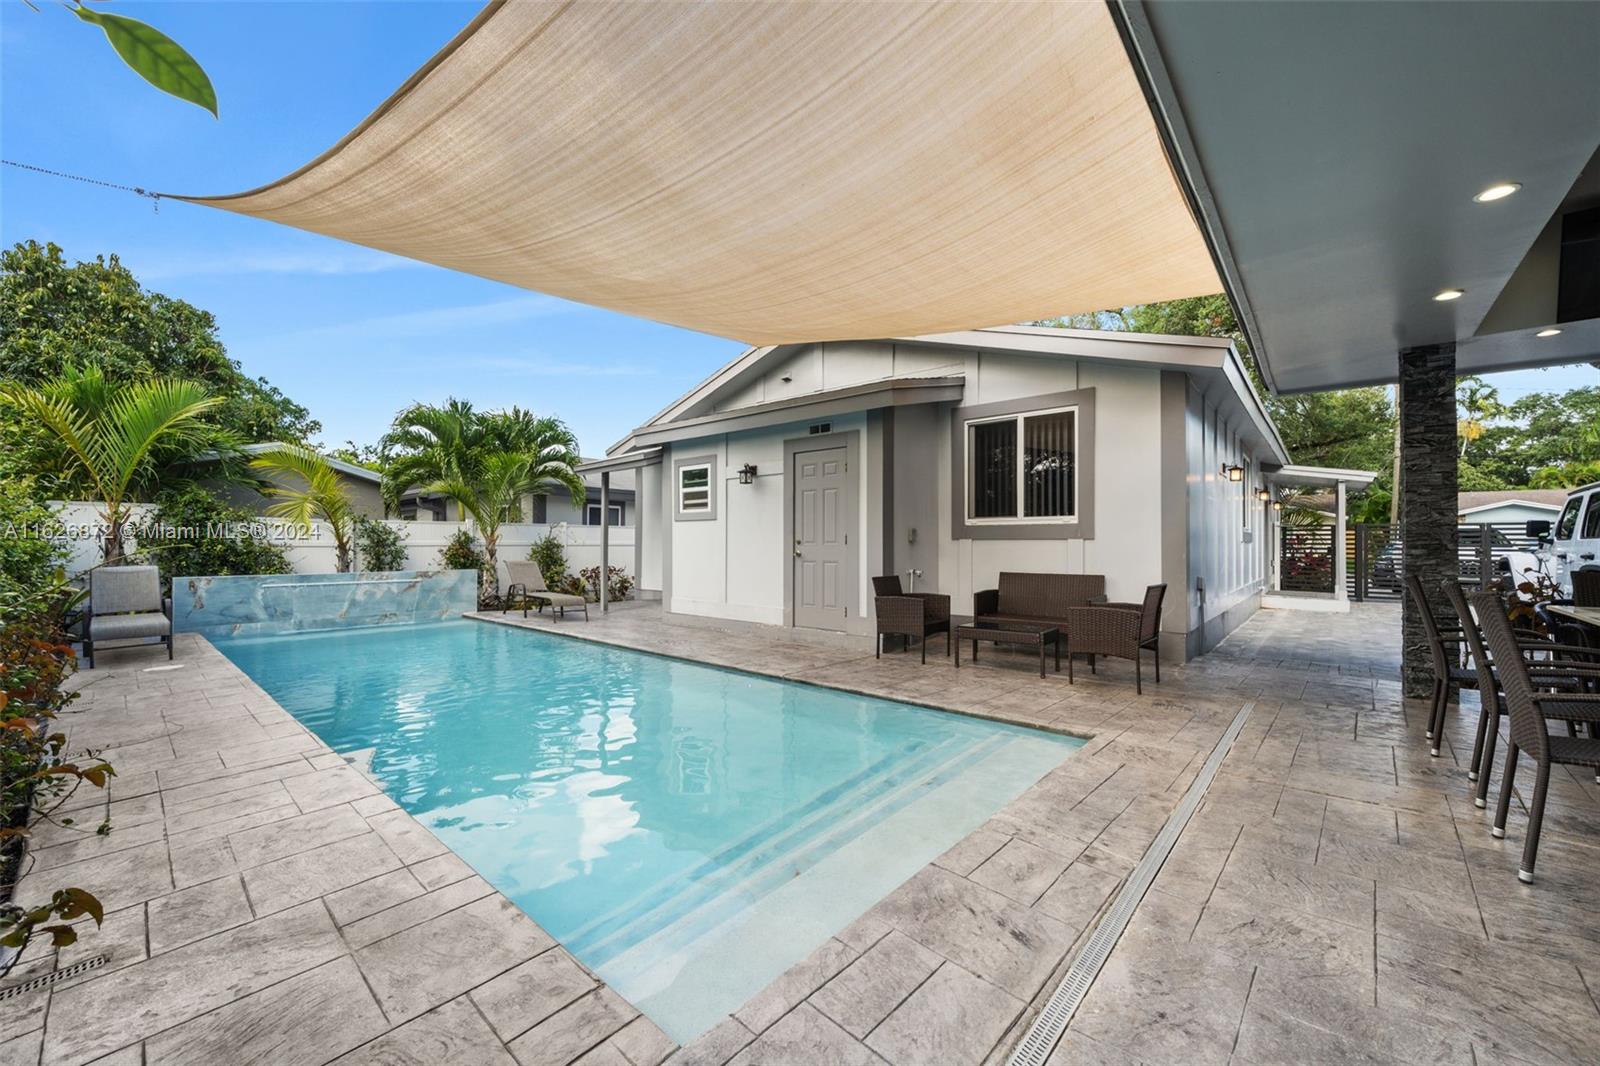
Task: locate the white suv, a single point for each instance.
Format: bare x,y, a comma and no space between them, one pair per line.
1575,538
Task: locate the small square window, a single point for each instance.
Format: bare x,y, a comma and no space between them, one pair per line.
694,488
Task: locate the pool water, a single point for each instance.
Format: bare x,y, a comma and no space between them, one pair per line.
688,832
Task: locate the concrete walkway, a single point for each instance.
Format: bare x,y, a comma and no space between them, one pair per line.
1337,898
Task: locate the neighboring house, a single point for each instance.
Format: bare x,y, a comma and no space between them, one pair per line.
1499,507
361,484
776,489
1510,506
557,507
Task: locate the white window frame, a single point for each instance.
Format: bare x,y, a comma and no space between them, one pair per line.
615,507
1017,420
703,508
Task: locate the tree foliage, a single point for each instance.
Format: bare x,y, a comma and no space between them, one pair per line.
314,492
206,536
486,461
1543,440
95,313
105,440
1352,428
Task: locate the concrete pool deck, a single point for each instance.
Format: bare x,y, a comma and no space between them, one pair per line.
1337,897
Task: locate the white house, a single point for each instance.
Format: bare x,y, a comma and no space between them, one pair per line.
777,488
1510,506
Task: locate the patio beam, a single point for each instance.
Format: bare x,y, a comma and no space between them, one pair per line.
605,537
1427,402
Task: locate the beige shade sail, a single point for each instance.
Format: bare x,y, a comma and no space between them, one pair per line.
773,172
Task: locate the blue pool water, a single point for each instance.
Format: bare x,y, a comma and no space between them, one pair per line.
687,832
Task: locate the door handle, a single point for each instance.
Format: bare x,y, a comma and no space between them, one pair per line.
1561,555
797,553
1587,555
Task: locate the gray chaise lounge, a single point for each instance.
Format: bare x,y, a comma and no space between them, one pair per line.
527,586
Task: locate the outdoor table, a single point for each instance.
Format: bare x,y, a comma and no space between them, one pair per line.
1023,633
1587,615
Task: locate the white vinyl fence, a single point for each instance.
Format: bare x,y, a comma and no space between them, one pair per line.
311,551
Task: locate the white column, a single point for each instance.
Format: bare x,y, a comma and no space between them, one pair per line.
605,537
1339,590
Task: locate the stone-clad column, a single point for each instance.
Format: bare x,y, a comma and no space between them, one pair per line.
1427,397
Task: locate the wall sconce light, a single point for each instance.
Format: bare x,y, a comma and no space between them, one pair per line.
1235,473
747,474
1277,505
1263,495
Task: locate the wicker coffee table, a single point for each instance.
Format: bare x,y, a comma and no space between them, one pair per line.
1023,633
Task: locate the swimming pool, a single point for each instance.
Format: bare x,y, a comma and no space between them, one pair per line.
687,832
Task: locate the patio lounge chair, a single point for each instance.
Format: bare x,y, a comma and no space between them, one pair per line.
909,614
1126,630
1529,733
527,586
125,603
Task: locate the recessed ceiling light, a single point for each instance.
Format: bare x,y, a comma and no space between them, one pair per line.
1446,295
1497,192
1547,333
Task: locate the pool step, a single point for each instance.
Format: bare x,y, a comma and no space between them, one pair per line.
692,905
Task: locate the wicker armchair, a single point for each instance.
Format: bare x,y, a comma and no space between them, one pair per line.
1586,586
913,614
1444,646
1529,709
1556,666
1125,630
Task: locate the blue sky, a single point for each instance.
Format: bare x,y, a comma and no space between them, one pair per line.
353,334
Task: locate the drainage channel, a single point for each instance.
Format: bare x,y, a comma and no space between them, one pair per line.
1046,1029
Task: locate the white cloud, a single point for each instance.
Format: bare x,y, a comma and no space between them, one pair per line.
338,261
436,320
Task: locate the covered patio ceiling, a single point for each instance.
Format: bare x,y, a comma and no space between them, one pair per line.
780,172
1334,151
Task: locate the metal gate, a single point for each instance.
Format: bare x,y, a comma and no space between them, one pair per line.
1305,562
1377,572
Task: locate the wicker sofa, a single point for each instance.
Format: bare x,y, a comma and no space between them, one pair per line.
1043,599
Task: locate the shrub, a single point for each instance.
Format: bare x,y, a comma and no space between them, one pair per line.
618,584
37,771
203,535
29,554
461,552
379,546
551,555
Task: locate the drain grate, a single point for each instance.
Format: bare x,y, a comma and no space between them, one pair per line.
1046,1029
94,962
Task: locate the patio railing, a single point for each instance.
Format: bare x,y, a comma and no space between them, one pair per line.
1377,572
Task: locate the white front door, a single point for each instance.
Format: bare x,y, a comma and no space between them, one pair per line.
823,517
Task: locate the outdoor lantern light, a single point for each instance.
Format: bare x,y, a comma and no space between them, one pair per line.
1263,495
1235,473
1277,505
747,474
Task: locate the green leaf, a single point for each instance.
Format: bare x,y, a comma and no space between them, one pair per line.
155,57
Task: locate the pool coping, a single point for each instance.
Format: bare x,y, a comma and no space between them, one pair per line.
922,704
1039,870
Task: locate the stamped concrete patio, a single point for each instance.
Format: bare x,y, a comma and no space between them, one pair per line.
1336,898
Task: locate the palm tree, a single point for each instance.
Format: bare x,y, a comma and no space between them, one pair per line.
322,495
484,460
1480,404
104,438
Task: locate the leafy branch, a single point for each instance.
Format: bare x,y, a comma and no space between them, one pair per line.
154,56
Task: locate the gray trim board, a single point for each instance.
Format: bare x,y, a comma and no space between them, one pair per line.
889,392
713,487
1175,504
854,622
887,518
1083,526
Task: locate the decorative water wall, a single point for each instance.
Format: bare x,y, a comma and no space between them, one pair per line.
248,605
